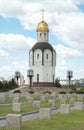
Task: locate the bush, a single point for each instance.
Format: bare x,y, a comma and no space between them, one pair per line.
31,92
17,91
62,92
80,92
47,92
72,92
4,90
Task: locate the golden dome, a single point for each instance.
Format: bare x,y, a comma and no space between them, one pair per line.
42,27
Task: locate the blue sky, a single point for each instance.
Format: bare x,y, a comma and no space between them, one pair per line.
18,23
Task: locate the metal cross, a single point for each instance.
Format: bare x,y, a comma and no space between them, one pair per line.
42,13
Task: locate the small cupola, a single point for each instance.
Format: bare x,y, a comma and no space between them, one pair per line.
42,27
42,30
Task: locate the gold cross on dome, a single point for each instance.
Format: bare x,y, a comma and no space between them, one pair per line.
42,10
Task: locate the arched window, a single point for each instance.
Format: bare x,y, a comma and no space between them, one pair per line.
46,56
40,35
37,77
37,56
44,35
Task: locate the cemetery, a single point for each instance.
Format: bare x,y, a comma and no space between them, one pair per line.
44,111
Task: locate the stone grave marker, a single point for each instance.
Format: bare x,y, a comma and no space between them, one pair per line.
78,106
16,107
65,109
52,103
36,104
14,121
45,113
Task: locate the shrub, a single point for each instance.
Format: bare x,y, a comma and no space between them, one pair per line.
4,90
31,92
80,91
17,91
62,92
47,92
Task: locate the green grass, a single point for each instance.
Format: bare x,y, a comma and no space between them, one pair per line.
26,107
73,121
10,99
5,110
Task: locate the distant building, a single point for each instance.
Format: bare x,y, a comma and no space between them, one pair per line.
75,81
81,81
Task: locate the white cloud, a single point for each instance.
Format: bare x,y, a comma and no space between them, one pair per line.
3,54
63,58
66,52
65,18
29,11
15,65
16,41
70,29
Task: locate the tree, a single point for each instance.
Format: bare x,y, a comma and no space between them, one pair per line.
1,84
12,84
7,85
57,83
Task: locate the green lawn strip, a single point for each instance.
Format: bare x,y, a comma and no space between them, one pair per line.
10,99
26,107
73,121
23,99
44,104
5,110
57,103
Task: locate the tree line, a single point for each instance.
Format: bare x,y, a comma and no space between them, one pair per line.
7,85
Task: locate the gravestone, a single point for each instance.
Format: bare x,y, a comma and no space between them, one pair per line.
80,98
36,104
2,98
72,101
30,99
63,101
78,106
65,109
16,100
42,98
27,95
52,103
60,96
47,95
14,121
16,107
45,113
37,96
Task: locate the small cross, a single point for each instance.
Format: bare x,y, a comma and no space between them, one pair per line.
42,13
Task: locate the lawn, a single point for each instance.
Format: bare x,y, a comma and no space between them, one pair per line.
73,121
10,99
26,107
